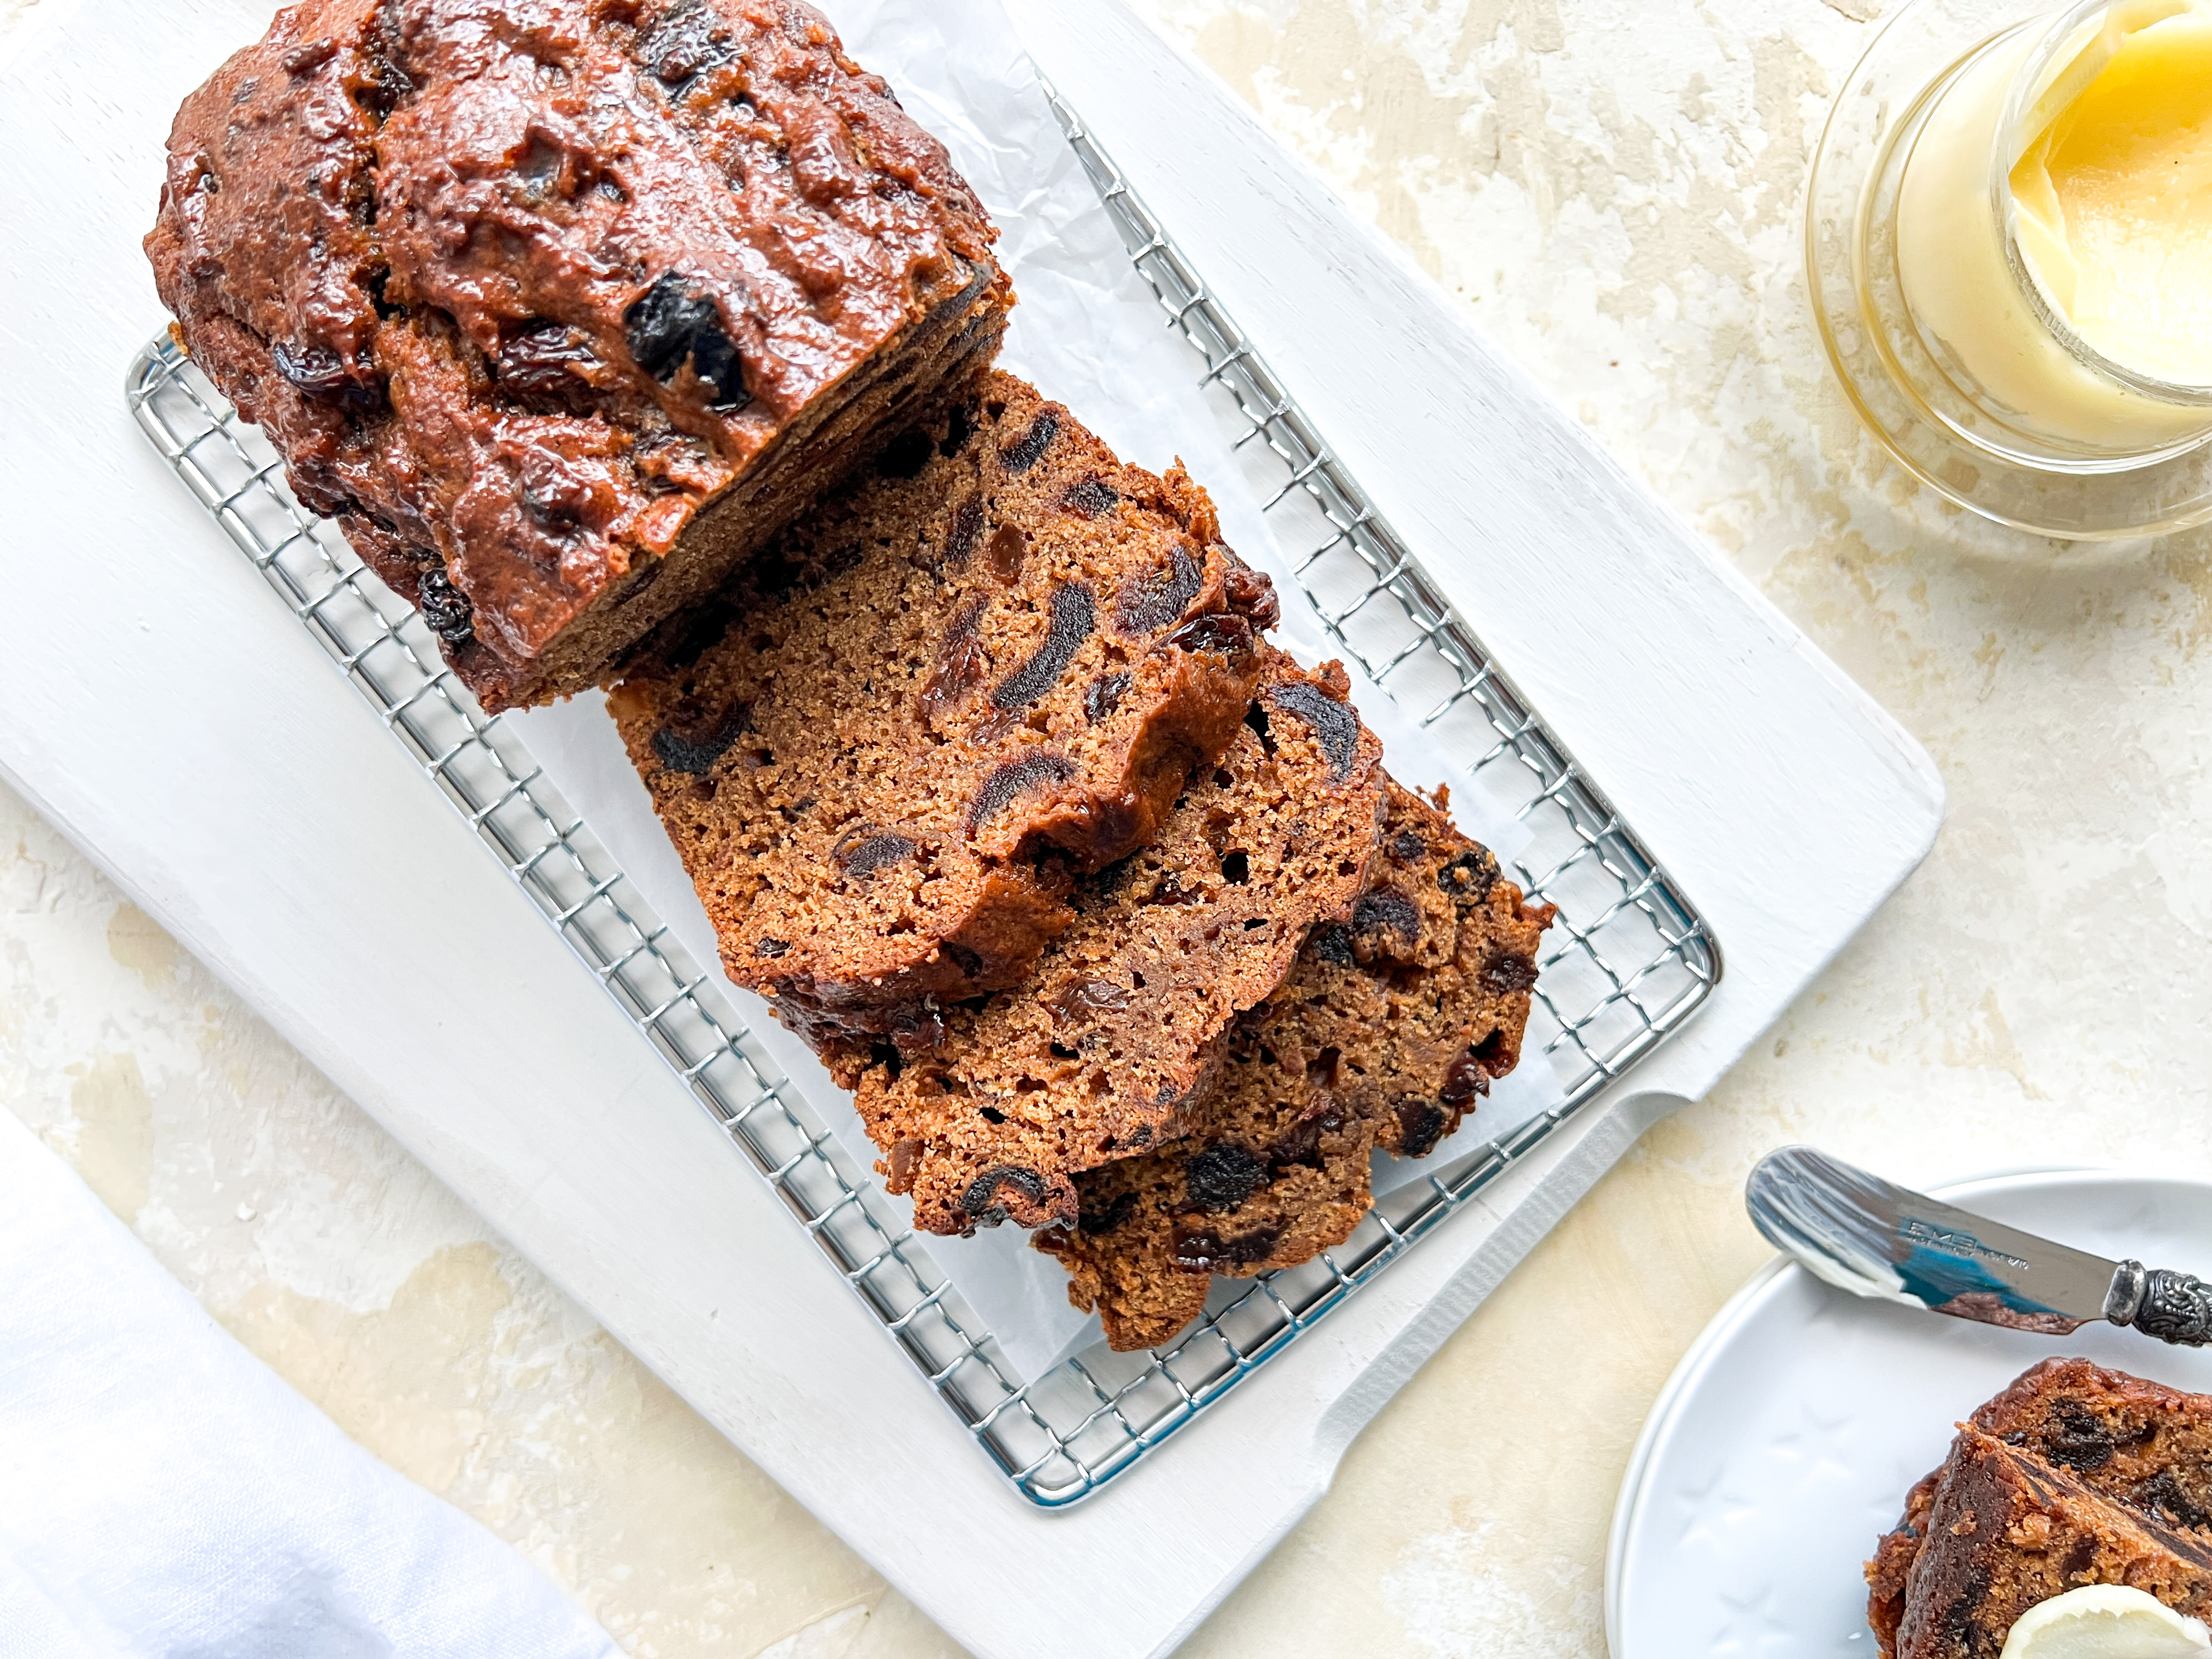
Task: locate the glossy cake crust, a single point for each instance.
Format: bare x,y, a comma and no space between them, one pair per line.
888,751
2097,1471
561,306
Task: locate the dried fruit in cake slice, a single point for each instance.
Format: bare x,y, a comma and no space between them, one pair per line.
1418,1000
1392,1026
2138,1442
2006,1530
562,310
890,749
1273,1172
1100,1051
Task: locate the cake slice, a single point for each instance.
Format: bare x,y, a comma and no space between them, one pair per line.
988,668
561,314
1273,1171
2005,1530
1390,1028
2138,1442
1100,1051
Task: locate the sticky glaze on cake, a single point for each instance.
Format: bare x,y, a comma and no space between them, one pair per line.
983,670
1096,1055
1391,1028
561,306
2142,1451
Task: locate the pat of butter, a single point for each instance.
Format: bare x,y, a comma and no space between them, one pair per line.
2106,1621
2114,191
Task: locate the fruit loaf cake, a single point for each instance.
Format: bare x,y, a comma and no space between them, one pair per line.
561,306
1099,1052
2138,1443
983,669
1392,1026
2005,1530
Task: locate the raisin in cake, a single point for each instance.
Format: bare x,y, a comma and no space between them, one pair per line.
2007,1530
1390,1030
1273,1171
561,306
1120,1026
887,753
2117,1467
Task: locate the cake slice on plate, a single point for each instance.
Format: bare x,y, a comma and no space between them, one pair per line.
1390,1028
2093,1472
2006,1531
561,314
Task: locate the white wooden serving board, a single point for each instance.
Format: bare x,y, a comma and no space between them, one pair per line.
162,709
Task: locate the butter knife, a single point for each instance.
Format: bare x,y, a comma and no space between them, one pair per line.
1864,1234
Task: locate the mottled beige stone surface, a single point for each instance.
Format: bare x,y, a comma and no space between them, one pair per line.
1614,187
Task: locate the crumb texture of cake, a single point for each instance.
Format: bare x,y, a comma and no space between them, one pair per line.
983,670
1399,1015
1274,1172
2104,1478
1100,1051
560,307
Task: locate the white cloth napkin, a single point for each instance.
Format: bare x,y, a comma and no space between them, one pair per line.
164,1495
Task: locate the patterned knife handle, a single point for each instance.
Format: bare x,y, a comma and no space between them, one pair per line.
2170,1306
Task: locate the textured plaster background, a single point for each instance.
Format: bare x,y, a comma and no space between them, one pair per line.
1613,188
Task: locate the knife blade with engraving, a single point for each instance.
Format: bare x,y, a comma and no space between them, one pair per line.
1869,1237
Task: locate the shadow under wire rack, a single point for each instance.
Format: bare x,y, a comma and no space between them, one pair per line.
1629,959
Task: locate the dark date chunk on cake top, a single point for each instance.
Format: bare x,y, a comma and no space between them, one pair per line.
676,322
685,41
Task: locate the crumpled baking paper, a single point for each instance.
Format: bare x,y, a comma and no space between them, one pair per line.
1089,332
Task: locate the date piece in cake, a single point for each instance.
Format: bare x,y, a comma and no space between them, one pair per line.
561,307
1099,1052
986,669
1390,1028
2140,1444
2006,1530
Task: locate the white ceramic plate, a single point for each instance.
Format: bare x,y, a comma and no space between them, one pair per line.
1784,1443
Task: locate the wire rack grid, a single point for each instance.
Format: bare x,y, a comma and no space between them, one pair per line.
1633,959
1631,963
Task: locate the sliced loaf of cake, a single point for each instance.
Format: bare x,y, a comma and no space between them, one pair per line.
888,751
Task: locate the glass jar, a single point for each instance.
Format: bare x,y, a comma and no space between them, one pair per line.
1934,289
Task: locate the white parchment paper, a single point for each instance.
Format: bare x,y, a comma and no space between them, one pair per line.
1089,332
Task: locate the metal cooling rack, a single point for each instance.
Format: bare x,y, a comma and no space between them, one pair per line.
1631,959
